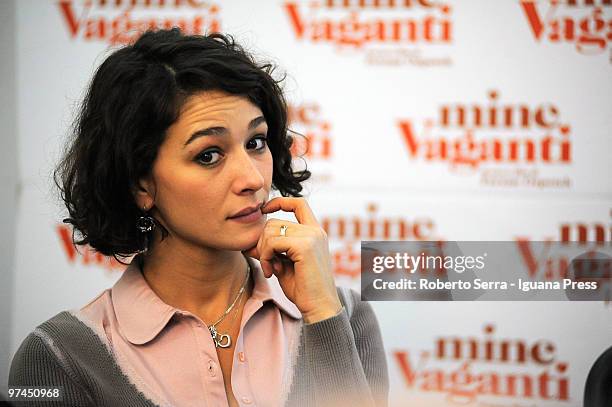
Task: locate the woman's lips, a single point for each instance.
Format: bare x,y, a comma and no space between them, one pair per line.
250,218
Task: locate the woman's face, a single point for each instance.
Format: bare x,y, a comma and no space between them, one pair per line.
213,163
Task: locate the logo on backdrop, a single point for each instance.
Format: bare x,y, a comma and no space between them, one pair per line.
318,141
121,21
508,144
592,235
345,233
581,23
478,368
85,255
386,32
589,232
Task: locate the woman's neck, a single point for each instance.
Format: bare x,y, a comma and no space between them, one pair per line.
202,281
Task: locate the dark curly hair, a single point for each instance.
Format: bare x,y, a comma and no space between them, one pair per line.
134,96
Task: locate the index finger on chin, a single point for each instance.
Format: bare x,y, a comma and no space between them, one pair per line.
252,252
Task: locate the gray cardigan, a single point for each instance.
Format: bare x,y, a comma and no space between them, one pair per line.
341,362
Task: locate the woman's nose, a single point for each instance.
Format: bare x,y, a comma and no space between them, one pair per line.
247,175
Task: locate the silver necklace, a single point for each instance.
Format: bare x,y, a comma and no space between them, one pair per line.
224,340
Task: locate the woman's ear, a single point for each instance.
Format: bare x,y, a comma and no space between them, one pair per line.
144,193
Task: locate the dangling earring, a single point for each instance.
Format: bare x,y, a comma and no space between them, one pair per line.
145,224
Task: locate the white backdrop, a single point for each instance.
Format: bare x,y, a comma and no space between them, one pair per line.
379,86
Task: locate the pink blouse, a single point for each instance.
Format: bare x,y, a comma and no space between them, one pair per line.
169,355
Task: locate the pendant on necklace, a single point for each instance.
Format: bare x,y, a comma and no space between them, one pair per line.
219,338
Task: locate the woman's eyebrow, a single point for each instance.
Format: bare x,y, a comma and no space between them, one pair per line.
222,131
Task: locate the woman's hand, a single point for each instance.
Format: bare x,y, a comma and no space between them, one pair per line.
304,272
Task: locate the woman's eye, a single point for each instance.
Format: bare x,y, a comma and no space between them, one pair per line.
262,142
208,157
212,157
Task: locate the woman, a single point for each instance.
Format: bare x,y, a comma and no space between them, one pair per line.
178,144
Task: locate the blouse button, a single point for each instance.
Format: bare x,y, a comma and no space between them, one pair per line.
212,368
241,357
246,400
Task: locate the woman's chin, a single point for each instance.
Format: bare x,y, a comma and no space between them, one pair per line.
246,236
247,241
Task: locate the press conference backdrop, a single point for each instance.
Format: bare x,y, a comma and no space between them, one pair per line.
456,120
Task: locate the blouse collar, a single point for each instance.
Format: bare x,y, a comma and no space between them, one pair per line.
142,315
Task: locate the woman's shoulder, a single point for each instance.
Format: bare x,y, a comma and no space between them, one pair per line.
64,351
67,331
45,332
